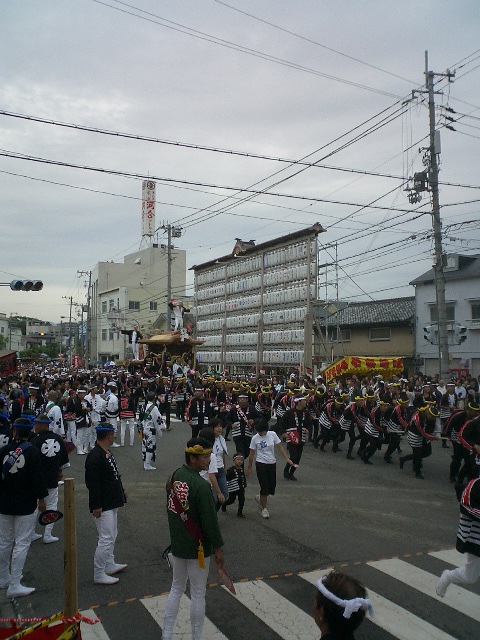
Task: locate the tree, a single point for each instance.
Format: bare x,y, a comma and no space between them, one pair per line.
3,342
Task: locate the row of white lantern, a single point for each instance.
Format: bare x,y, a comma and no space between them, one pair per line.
287,336
250,284
293,272
282,316
241,357
212,341
212,308
244,284
213,275
241,265
293,294
214,324
210,292
209,356
285,255
240,339
282,357
270,298
248,320
250,357
247,302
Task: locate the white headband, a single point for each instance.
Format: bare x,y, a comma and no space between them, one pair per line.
350,606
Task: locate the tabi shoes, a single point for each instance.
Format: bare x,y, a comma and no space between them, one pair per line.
265,514
36,536
50,539
148,467
115,568
443,583
102,578
18,590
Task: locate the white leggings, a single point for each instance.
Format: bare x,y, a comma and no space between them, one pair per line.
469,573
124,423
184,570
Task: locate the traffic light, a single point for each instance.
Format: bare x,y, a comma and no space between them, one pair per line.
26,285
459,334
430,334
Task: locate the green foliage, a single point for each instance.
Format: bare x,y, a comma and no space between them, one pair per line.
3,342
35,351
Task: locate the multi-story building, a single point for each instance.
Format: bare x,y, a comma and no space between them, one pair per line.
254,307
462,294
132,292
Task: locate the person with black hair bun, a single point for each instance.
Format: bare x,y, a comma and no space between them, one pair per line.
339,606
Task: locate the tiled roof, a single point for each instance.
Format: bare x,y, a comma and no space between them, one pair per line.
396,310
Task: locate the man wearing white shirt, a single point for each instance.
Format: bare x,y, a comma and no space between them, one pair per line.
112,409
97,407
54,412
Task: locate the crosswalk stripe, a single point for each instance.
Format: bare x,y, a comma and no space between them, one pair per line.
92,631
182,630
452,556
459,599
283,617
392,618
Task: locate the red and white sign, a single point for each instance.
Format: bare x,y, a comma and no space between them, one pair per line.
148,208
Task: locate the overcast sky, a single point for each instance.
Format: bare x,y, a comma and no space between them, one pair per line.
290,80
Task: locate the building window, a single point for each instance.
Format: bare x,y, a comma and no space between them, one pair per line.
110,334
342,335
133,304
111,305
434,312
104,306
476,311
380,333
2,329
104,334
153,306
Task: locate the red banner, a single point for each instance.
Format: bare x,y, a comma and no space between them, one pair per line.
364,365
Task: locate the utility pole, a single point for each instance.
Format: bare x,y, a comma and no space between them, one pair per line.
169,276
172,232
88,331
69,330
434,151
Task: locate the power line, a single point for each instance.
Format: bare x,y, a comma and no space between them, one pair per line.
71,165
189,145
195,33
318,44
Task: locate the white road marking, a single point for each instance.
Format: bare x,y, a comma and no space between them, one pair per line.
392,618
459,599
283,617
182,630
92,631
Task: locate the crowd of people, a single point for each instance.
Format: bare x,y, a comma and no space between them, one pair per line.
45,413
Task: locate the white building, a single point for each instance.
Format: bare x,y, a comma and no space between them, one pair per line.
12,334
254,307
462,294
132,292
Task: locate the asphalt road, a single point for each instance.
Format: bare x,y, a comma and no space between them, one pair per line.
340,513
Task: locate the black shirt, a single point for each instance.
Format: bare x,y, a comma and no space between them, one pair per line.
24,482
105,490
